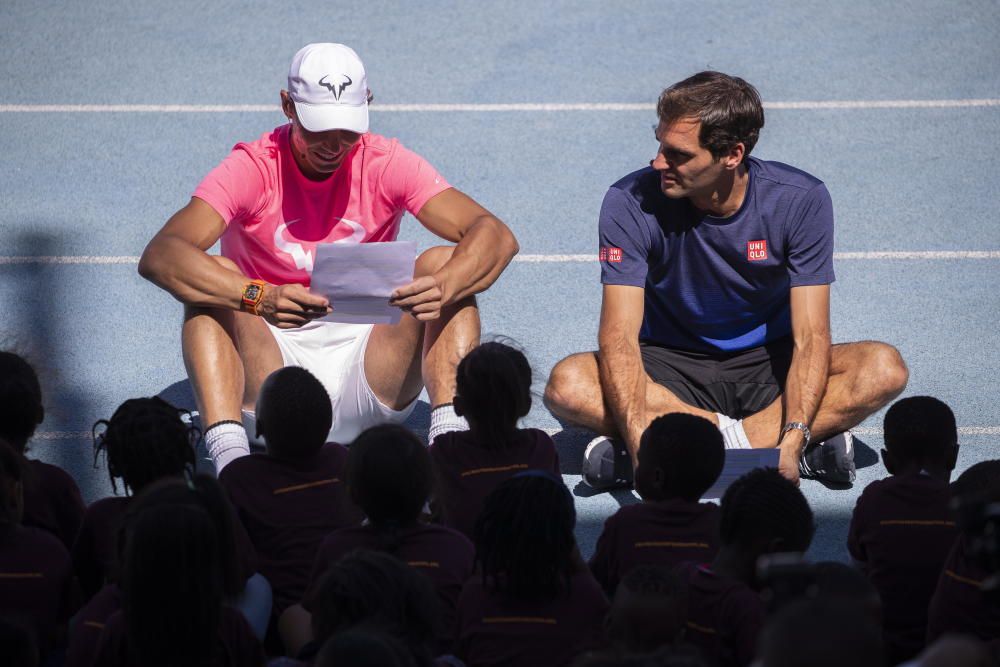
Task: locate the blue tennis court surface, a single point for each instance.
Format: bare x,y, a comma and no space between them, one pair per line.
896,108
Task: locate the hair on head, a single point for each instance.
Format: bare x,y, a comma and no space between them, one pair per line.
920,430
681,456
294,413
205,493
683,655
171,583
363,646
820,633
20,400
649,609
524,537
493,392
145,440
379,591
389,477
762,507
728,107
980,483
11,477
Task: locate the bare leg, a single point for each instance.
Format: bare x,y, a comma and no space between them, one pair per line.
228,355
863,377
574,394
401,359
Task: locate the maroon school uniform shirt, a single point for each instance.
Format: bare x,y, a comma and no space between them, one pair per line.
959,604
88,626
52,501
900,534
287,508
496,631
36,581
239,646
444,555
466,472
95,552
667,532
725,616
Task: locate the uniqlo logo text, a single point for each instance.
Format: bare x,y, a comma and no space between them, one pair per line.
757,250
614,254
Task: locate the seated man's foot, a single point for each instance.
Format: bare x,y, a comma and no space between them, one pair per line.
831,460
607,465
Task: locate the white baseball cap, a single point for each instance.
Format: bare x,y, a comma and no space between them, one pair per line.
328,84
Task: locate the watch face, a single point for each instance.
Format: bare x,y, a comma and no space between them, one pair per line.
252,292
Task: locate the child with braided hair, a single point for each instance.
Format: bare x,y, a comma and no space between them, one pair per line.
493,392
144,441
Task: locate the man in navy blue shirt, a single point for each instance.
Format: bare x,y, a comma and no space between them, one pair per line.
716,270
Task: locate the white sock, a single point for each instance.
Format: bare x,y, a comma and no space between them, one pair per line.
226,441
444,420
732,432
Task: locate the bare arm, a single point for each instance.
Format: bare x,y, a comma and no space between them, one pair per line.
485,246
176,261
623,378
809,370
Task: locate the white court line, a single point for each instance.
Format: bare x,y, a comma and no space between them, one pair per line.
863,430
516,106
535,259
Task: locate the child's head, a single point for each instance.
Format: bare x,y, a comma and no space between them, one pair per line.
376,590
294,414
11,488
364,647
980,483
203,492
680,456
389,475
820,633
920,433
649,609
762,513
21,408
493,391
145,440
524,537
171,581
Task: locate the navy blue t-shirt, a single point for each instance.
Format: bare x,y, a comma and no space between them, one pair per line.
718,284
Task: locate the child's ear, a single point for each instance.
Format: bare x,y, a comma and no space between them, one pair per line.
888,461
458,405
953,457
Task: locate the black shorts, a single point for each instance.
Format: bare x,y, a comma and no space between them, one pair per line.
737,384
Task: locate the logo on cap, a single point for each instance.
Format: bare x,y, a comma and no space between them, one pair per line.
336,89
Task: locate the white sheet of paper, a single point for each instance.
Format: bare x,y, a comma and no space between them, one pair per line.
358,278
738,463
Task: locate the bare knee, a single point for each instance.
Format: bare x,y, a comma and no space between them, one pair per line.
886,365
567,383
432,259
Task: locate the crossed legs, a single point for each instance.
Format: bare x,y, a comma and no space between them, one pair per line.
229,354
864,376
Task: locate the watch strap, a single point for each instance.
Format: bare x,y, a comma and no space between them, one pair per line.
253,295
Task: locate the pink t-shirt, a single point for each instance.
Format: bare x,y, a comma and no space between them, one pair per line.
275,216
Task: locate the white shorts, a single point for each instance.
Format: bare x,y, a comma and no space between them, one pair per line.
335,354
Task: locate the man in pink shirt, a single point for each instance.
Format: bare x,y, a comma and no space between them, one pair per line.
322,178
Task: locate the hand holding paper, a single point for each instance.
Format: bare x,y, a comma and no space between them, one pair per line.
359,278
